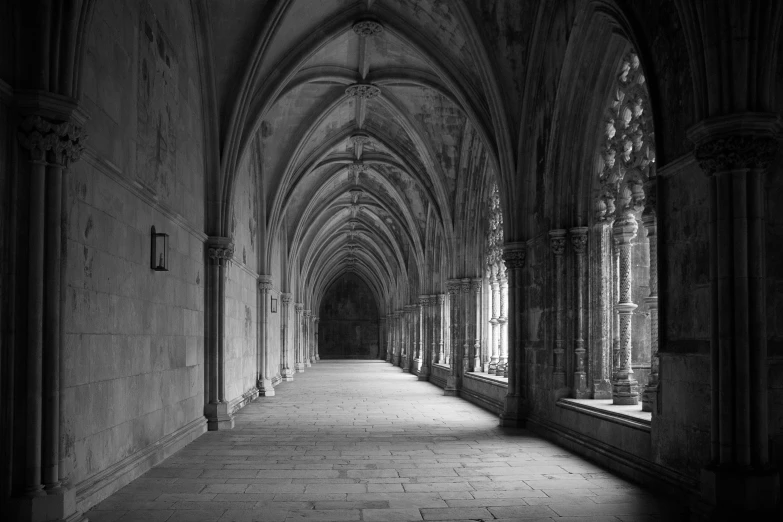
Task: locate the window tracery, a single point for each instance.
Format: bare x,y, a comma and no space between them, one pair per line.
625,205
497,288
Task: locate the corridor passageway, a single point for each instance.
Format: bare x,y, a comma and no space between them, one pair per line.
361,440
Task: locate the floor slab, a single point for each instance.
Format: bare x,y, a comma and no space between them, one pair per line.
361,440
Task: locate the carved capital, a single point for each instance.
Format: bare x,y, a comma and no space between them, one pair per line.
475,285
579,239
220,253
63,140
514,255
363,90
285,298
367,28
441,298
735,152
298,307
306,313
557,241
265,283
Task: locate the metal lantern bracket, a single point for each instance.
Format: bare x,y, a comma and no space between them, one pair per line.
159,250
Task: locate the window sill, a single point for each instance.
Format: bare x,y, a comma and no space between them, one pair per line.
486,377
631,416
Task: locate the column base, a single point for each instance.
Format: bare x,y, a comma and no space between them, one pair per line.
602,389
650,398
308,364
313,360
451,389
218,417
299,367
396,360
510,418
580,386
265,388
424,373
317,357
732,494
288,374
55,507
625,392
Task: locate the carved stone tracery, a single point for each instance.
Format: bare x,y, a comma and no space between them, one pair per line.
629,146
367,28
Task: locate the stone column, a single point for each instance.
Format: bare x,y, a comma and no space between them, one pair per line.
625,389
405,317
615,321
455,330
494,298
440,327
53,139
52,145
515,408
309,358
579,242
424,313
650,394
467,328
263,383
396,345
502,367
475,311
735,152
389,333
557,243
287,371
220,252
298,341
315,338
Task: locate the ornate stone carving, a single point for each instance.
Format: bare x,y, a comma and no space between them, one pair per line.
367,28
514,257
628,151
221,253
65,140
356,167
736,152
285,298
265,284
557,241
579,239
363,90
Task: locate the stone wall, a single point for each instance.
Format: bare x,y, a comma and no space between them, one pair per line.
133,377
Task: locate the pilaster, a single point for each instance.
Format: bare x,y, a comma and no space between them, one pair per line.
287,370
52,139
557,242
220,251
579,244
515,409
263,383
735,153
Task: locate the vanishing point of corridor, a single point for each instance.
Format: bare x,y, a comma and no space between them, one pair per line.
361,440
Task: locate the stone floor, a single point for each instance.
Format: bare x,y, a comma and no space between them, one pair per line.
360,440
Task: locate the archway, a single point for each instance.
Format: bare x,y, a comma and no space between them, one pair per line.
349,322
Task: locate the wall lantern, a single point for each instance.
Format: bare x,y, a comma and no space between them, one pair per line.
274,305
159,259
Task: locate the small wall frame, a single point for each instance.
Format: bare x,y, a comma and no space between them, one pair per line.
159,251
273,305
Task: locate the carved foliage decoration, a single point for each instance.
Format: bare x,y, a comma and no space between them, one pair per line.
494,260
366,28
64,140
628,149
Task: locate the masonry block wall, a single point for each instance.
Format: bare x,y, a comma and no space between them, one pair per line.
133,358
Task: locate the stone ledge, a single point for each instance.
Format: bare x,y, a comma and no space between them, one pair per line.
631,416
489,378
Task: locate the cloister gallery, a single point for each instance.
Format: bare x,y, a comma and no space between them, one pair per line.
560,214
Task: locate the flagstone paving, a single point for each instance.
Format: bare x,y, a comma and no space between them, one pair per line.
360,440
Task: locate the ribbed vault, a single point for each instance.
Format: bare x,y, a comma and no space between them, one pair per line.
372,127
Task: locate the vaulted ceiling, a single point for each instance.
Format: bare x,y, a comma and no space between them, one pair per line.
377,127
